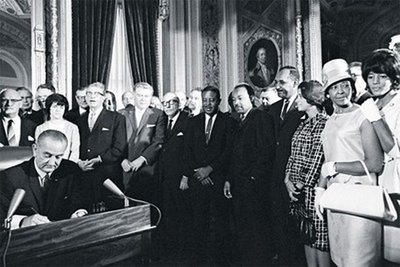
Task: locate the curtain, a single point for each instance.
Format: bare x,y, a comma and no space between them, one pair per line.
93,24
141,16
120,72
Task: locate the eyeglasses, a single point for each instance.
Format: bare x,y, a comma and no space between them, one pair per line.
169,103
88,93
12,100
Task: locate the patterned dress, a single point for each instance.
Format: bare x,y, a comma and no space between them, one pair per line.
304,166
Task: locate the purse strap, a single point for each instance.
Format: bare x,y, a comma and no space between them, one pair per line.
366,171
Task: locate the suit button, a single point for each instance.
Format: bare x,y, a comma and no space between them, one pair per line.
88,150
277,143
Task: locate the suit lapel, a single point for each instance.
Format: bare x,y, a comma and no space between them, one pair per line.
35,186
99,119
130,122
176,127
214,126
3,136
144,119
85,124
24,132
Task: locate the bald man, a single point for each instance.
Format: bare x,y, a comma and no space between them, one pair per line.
14,130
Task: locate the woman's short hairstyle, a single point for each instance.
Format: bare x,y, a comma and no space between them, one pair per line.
383,61
313,92
59,99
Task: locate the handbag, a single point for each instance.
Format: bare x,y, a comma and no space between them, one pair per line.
304,223
371,201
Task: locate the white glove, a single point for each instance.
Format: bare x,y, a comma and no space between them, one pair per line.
319,210
370,110
328,169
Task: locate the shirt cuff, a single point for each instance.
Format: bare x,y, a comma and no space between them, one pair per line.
79,213
145,160
16,220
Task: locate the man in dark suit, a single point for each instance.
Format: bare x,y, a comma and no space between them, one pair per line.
75,113
175,199
51,184
286,120
103,140
145,134
206,151
249,176
42,92
14,130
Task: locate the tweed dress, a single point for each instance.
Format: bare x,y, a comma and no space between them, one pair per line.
304,166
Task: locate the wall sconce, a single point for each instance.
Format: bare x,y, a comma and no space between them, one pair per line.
163,10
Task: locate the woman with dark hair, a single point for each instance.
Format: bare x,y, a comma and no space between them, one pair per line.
110,103
303,171
381,70
56,107
347,139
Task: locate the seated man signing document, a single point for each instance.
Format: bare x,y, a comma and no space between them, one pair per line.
52,184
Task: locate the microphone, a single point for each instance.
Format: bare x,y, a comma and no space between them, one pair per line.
115,190
15,201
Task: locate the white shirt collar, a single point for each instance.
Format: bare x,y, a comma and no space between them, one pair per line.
17,126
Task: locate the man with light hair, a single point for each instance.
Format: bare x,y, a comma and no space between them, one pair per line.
145,132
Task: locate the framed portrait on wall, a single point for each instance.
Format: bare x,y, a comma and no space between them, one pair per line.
262,63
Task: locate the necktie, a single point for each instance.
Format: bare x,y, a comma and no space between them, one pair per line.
45,182
208,130
91,121
12,139
169,128
284,108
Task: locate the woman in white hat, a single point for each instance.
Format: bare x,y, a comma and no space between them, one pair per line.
348,137
381,70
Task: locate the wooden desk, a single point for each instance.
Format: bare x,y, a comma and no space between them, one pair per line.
93,240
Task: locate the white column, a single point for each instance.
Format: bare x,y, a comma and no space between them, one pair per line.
228,47
65,50
38,45
314,35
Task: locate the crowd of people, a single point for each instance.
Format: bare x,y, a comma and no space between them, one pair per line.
248,182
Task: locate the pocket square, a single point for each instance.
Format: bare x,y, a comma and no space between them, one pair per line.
105,129
150,125
30,138
180,134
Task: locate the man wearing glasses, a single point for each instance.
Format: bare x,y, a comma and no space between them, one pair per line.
175,198
14,130
75,113
145,135
103,140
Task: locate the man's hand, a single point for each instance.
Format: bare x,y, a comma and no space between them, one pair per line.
202,173
227,190
291,190
184,183
84,165
207,181
126,165
137,163
35,219
92,162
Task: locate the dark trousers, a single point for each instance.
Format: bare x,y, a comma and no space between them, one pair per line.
206,201
252,223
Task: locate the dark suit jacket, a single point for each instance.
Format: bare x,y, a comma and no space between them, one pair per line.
107,139
284,131
73,115
62,199
215,153
146,140
253,149
27,133
37,116
172,156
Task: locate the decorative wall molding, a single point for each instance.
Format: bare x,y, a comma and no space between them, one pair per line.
210,25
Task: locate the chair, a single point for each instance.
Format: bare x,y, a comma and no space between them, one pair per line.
11,156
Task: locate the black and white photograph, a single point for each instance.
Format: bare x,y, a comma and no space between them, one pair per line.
204,133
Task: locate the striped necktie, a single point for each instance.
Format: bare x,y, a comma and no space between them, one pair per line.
12,139
91,121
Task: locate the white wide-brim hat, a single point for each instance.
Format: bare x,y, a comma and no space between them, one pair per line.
334,71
